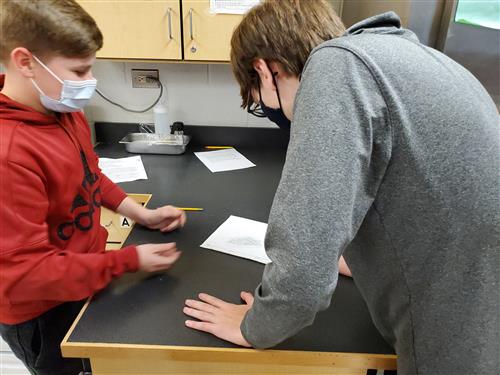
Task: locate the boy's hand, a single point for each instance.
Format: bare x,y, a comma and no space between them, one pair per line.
166,218
219,318
157,257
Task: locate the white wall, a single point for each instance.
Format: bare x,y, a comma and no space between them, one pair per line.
198,94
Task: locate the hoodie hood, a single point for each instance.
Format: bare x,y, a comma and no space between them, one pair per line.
15,111
385,23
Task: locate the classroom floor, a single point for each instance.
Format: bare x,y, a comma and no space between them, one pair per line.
9,364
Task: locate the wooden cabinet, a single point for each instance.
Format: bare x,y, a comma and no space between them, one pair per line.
151,29
142,29
206,35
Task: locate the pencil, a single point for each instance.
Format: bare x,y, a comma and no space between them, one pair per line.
190,208
218,147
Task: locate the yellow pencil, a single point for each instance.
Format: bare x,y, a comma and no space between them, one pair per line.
190,208
218,147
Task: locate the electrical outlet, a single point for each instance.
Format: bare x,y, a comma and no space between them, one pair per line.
145,78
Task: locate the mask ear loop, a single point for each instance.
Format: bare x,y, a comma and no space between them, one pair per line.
40,91
260,95
37,87
47,69
274,74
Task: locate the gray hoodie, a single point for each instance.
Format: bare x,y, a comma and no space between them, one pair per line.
393,161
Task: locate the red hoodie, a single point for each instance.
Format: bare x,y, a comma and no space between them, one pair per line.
51,191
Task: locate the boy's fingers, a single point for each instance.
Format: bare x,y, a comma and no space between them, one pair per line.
200,326
174,224
164,247
172,212
211,300
166,212
172,258
168,253
165,259
183,218
164,262
202,306
200,315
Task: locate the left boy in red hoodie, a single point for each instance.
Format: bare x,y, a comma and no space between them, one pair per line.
51,189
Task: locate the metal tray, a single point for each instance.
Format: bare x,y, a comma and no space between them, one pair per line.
146,143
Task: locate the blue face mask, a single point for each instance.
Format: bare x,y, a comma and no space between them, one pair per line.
74,94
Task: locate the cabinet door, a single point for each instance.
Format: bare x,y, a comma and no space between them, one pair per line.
207,35
142,29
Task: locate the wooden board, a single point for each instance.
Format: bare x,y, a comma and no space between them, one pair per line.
118,226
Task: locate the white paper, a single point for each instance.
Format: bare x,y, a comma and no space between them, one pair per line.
224,160
124,169
240,237
232,6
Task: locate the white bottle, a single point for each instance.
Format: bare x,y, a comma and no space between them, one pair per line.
162,125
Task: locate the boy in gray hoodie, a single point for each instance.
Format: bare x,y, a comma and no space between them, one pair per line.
393,162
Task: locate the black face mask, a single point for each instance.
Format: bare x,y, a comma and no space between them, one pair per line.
276,115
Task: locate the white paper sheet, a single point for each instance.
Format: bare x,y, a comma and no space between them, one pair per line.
124,169
241,237
232,6
224,160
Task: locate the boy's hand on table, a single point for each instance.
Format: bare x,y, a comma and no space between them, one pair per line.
166,218
157,257
220,318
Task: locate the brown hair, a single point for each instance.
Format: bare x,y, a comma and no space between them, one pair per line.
285,31
47,27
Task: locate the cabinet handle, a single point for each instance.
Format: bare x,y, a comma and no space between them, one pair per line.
191,23
169,15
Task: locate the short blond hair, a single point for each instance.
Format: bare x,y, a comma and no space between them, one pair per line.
285,31
47,27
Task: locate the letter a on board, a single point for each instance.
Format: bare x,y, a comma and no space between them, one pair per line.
125,222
